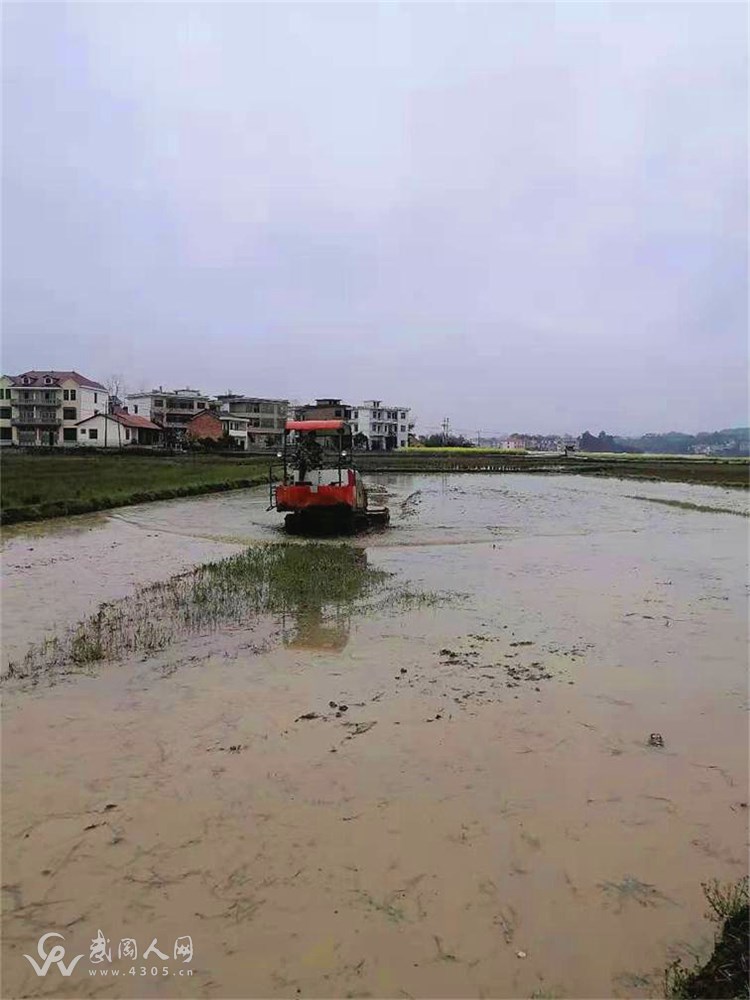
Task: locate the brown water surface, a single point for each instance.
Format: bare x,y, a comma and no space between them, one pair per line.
485,818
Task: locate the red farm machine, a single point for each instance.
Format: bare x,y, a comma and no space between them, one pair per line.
320,491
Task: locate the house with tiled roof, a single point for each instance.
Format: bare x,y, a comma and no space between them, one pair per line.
119,429
44,408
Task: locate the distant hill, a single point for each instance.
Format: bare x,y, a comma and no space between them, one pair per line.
730,442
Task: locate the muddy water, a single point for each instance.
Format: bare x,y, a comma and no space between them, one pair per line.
486,818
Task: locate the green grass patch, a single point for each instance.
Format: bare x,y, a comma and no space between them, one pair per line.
727,972
297,580
39,486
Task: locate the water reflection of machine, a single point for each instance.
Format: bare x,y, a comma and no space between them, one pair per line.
321,491
321,616
311,629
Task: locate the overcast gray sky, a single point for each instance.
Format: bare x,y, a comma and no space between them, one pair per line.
525,217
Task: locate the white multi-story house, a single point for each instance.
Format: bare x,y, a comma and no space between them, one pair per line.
236,428
45,407
171,409
385,427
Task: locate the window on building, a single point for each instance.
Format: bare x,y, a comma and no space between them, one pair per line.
337,413
94,434
158,402
48,381
403,428
66,394
69,433
83,432
69,413
6,433
135,408
96,397
127,434
72,393
5,413
403,414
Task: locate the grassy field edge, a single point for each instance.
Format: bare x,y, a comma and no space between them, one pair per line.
67,508
37,487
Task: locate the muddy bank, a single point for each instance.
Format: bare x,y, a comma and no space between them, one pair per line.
458,800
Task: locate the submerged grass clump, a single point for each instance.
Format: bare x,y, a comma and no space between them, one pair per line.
727,972
265,579
687,505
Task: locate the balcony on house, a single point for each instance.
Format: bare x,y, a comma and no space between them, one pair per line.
30,416
30,397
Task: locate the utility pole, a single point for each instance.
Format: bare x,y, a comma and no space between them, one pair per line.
479,438
446,429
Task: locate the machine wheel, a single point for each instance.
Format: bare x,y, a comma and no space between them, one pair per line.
293,524
321,523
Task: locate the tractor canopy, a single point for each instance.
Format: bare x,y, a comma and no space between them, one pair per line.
315,425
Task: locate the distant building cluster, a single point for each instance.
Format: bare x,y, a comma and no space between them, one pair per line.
377,426
538,442
67,409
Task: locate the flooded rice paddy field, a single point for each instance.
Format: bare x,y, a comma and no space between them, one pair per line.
454,796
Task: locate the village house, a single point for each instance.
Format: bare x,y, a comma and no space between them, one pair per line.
326,408
265,418
213,425
171,409
118,430
384,426
44,408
